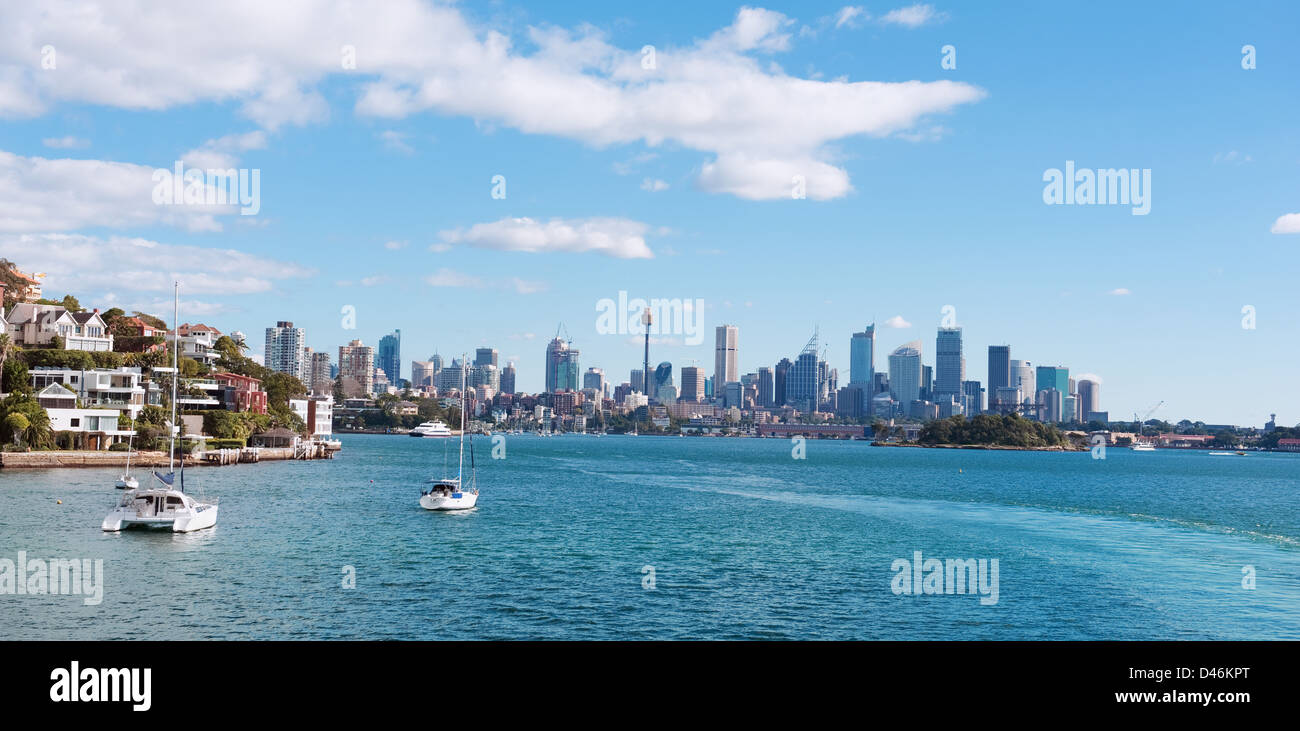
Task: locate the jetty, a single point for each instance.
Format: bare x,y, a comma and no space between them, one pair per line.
214,457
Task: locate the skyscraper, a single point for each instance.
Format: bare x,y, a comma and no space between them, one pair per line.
320,373
766,387
594,379
999,376
422,373
562,373
1022,377
390,356
692,383
905,373
972,397
357,361
725,366
485,356
1089,398
780,375
663,377
862,357
286,350
1053,377
802,381
949,366
508,378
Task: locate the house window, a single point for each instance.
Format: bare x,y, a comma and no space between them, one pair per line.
75,422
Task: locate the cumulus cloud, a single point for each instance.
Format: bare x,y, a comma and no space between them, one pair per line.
1287,224
395,245
223,152
617,237
1120,292
896,321
81,263
913,16
720,95
39,195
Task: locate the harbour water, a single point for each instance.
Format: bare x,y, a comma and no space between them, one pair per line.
578,537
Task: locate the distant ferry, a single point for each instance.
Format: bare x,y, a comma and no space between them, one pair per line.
431,429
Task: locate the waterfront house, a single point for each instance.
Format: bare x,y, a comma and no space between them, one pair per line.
1288,445
119,388
198,342
240,393
406,408
36,326
277,437
99,427
317,413
139,328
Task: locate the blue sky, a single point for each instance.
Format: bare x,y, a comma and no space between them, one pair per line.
931,199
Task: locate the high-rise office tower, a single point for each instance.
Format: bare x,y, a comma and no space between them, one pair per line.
1089,398
286,349
905,373
594,379
357,361
972,397
927,383
1053,377
1022,377
766,387
390,356
692,383
637,379
485,356
999,376
422,373
725,366
562,372
862,357
780,375
802,387
949,366
663,377
508,378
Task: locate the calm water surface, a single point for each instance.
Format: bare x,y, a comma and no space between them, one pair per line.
745,542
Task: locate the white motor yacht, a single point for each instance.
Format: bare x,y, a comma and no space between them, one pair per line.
435,429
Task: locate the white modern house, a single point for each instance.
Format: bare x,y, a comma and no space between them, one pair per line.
198,341
120,389
99,425
35,326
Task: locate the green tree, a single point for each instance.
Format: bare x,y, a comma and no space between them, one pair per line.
71,304
16,378
15,424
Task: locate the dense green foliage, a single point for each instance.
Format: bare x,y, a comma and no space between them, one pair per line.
1009,430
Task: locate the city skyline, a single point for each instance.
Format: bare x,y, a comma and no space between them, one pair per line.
941,206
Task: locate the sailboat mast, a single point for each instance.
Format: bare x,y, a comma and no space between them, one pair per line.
176,373
460,466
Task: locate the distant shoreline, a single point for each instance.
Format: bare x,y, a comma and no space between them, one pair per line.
988,447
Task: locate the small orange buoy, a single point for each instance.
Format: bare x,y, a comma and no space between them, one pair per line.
58,502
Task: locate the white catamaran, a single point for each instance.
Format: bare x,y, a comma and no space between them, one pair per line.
166,505
448,493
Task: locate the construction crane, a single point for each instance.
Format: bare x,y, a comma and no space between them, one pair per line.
1144,418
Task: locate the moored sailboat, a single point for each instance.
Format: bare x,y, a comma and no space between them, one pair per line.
449,493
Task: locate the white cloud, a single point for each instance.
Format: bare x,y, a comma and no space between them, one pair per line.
42,195
440,248
524,286
451,278
87,264
767,179
223,152
373,280
913,16
1120,292
617,237
395,245
1287,224
396,141
896,321
851,15
66,143
717,96
653,185
1232,157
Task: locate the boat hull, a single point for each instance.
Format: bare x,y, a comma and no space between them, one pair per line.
454,501
183,522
